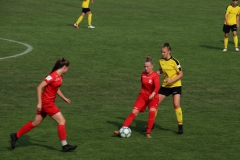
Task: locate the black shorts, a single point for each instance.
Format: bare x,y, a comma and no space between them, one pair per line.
168,91
226,28
85,10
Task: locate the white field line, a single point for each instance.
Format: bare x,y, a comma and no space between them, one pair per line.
29,49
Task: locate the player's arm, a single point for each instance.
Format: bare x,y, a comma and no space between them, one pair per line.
226,16
92,1
179,76
159,71
59,92
226,19
39,94
237,17
156,82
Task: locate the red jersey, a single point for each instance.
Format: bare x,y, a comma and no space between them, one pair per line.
150,84
54,81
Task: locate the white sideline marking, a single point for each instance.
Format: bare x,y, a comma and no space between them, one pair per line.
29,49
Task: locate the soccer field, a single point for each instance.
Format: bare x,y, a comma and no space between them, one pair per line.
103,80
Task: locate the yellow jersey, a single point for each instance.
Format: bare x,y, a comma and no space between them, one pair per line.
170,69
232,12
85,3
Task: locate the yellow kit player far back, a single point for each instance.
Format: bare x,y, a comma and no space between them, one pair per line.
85,3
231,13
231,22
85,10
170,69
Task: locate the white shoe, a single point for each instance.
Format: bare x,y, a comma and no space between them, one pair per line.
75,25
90,26
225,50
236,49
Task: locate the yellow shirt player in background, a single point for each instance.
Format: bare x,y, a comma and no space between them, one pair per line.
231,22
85,9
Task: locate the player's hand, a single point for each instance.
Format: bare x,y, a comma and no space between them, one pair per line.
169,80
67,100
39,107
151,96
158,72
92,1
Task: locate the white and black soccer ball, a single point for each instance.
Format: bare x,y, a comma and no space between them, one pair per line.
125,132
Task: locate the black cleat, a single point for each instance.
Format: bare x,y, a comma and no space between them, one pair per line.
180,129
145,129
68,148
14,139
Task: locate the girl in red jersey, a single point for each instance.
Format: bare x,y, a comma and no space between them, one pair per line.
148,96
46,105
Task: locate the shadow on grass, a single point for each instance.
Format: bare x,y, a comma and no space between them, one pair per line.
25,140
216,48
211,47
139,126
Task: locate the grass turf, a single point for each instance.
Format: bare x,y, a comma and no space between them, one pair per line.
103,79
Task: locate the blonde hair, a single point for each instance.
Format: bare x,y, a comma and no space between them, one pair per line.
149,59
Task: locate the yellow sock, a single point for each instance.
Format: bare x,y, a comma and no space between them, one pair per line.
89,19
225,42
179,115
156,113
235,40
79,19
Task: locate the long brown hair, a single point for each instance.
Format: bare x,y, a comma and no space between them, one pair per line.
60,63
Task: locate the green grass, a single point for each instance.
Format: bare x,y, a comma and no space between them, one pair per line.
103,79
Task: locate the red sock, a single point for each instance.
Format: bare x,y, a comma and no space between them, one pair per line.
151,120
25,128
62,132
129,120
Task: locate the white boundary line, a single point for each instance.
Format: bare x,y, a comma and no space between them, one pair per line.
29,49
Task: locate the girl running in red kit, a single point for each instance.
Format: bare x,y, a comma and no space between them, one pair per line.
148,96
46,105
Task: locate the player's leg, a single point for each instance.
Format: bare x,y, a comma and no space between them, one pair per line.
235,37
153,106
138,106
26,128
161,98
128,121
90,19
226,30
62,132
178,112
79,19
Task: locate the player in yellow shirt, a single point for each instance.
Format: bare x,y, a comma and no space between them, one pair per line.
85,9
172,71
231,22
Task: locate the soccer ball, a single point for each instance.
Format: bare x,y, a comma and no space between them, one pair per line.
125,132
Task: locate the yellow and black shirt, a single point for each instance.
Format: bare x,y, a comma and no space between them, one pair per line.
170,69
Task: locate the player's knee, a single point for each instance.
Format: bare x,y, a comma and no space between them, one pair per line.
62,121
36,123
135,112
152,110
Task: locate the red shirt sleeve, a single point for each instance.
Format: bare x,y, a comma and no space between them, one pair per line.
156,82
50,78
